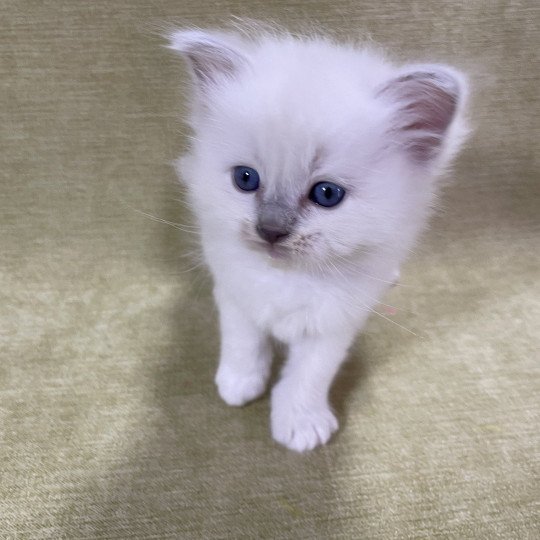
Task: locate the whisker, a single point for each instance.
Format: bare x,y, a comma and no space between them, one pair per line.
392,321
332,267
389,305
193,229
355,268
200,264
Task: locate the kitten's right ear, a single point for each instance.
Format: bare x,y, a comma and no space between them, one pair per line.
211,56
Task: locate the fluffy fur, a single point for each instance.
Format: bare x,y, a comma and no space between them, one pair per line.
301,111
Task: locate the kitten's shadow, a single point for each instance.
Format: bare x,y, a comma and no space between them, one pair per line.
348,380
192,438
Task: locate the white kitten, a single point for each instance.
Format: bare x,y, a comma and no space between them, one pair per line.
311,174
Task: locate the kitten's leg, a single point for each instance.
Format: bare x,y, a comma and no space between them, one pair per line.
245,358
301,417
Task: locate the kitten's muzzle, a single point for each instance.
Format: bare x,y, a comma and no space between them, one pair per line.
275,222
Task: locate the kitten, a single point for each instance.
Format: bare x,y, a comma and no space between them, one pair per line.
311,173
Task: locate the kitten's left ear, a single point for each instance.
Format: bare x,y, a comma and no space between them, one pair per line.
212,56
426,101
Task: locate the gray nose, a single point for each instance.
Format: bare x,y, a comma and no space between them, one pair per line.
275,221
272,235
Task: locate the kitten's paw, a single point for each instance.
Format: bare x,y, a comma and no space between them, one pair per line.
302,429
237,389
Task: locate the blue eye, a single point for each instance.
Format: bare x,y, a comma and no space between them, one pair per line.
246,178
326,194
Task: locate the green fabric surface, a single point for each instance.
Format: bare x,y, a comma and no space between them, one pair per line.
110,426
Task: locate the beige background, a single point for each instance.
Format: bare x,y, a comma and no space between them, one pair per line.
109,423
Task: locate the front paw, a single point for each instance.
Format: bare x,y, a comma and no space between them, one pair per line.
301,428
237,388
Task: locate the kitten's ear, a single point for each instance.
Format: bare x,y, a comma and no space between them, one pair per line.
426,100
211,56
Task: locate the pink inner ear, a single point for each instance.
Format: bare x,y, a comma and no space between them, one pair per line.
431,106
210,62
426,106
211,57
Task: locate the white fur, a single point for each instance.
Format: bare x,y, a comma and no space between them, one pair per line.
302,111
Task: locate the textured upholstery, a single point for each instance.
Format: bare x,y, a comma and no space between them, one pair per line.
110,426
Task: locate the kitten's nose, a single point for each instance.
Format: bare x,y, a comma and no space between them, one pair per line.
272,235
275,221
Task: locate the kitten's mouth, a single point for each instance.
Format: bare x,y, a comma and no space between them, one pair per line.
275,251
278,252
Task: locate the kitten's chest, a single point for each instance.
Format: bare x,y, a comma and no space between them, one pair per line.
287,304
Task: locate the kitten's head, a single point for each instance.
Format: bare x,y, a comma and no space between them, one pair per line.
310,151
